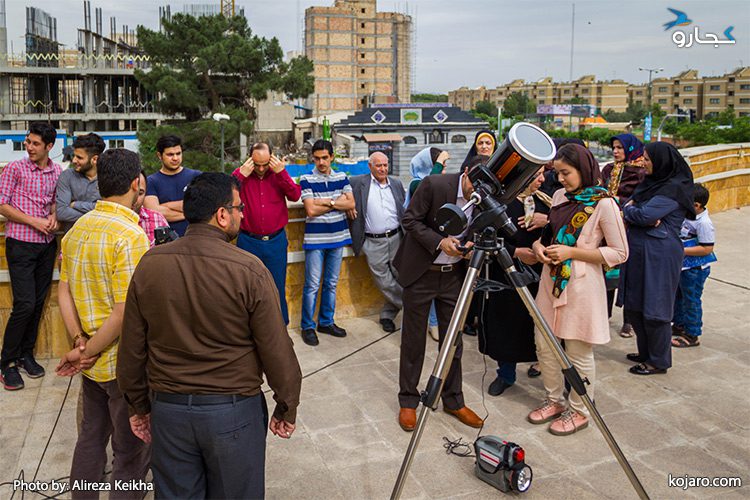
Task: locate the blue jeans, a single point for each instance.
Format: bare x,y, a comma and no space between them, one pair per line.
506,371
688,310
273,253
433,315
325,263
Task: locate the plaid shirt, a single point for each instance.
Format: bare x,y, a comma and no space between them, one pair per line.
100,253
150,220
26,187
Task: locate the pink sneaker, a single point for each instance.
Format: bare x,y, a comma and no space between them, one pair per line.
569,422
548,411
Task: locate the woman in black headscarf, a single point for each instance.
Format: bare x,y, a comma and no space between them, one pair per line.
649,279
484,144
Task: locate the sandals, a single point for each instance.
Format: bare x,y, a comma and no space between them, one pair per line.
686,340
626,331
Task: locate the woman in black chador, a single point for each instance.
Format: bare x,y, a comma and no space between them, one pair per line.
508,333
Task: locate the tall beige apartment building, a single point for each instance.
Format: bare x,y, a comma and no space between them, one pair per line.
361,56
707,96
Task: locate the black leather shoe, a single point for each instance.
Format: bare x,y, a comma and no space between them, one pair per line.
30,366
11,379
642,369
533,372
332,329
470,331
498,387
635,357
309,337
388,325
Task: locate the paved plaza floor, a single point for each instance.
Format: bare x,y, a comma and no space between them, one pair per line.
693,421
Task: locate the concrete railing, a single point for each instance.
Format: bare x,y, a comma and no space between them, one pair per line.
725,170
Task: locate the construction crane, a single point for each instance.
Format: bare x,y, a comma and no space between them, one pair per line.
227,8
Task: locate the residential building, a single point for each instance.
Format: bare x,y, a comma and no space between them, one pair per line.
687,91
361,56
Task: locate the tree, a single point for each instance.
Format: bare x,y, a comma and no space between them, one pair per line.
429,98
518,105
486,108
202,65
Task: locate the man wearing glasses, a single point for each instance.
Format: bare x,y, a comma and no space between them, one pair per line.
191,365
265,187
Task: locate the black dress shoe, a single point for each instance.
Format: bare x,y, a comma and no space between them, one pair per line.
635,357
470,331
333,330
498,387
30,366
309,337
642,369
533,372
388,325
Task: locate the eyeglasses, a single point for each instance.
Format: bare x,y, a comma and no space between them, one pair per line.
240,207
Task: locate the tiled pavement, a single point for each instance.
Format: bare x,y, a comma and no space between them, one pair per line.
348,444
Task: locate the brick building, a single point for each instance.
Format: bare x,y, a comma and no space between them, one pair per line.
361,56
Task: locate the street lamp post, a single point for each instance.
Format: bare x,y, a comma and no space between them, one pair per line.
647,128
221,118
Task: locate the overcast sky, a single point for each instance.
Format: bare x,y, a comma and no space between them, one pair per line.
484,42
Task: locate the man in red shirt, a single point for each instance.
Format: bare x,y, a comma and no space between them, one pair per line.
265,187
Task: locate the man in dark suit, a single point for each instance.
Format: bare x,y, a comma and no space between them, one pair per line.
431,267
375,225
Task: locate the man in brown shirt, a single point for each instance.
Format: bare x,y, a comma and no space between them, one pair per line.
202,325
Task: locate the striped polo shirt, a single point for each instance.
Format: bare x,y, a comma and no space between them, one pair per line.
329,230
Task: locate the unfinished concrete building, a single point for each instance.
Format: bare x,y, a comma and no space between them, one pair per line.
362,57
91,88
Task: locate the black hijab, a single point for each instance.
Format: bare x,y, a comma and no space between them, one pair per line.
671,177
473,151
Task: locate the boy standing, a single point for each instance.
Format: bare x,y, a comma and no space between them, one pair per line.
698,238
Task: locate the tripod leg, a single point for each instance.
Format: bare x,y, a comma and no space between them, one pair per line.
431,394
569,371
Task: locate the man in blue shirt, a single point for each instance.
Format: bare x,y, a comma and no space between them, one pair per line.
326,195
166,187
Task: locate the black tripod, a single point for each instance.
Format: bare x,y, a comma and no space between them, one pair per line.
486,245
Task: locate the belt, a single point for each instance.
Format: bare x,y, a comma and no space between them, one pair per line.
386,234
443,268
262,237
198,399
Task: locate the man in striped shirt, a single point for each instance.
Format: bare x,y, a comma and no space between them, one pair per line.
27,200
326,195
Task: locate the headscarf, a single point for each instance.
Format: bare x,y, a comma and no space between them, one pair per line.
567,219
630,143
671,177
473,151
421,166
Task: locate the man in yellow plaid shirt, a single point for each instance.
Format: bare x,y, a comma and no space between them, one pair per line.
100,254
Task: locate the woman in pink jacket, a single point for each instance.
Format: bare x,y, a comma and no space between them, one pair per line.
585,231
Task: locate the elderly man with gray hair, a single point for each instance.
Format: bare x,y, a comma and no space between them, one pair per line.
375,225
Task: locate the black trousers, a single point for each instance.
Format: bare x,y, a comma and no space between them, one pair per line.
30,266
654,339
444,289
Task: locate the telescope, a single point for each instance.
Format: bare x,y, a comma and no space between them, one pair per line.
506,174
